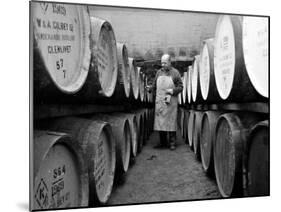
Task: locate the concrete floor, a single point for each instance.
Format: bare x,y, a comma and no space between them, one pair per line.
162,175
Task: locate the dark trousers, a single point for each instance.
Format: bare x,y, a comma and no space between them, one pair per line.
167,138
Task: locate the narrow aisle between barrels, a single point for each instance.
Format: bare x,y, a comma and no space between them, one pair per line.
163,175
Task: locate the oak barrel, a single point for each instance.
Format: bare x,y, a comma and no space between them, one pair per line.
232,80
123,85
257,163
188,87
180,99
209,121
121,131
232,132
184,82
190,127
134,78
102,76
182,119
133,128
180,109
134,131
147,130
141,84
185,137
195,83
142,111
59,171
61,48
206,73
104,52
140,121
151,119
255,51
98,144
196,132
150,97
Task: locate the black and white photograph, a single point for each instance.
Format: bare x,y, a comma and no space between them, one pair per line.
160,105
136,105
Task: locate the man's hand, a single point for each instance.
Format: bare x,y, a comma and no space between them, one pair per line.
148,88
169,91
167,99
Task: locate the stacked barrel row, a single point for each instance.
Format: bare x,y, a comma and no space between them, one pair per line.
77,160
231,68
77,59
232,146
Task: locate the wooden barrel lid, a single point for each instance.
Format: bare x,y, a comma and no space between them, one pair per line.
124,67
224,157
186,87
206,145
190,126
134,78
196,132
145,88
133,128
206,66
134,132
126,148
61,35
258,161
224,56
179,99
60,175
122,134
104,51
209,120
195,78
255,51
103,172
184,81
141,84
189,84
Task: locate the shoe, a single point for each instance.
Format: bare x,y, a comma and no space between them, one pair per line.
172,147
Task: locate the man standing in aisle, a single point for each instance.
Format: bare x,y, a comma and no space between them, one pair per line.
168,85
